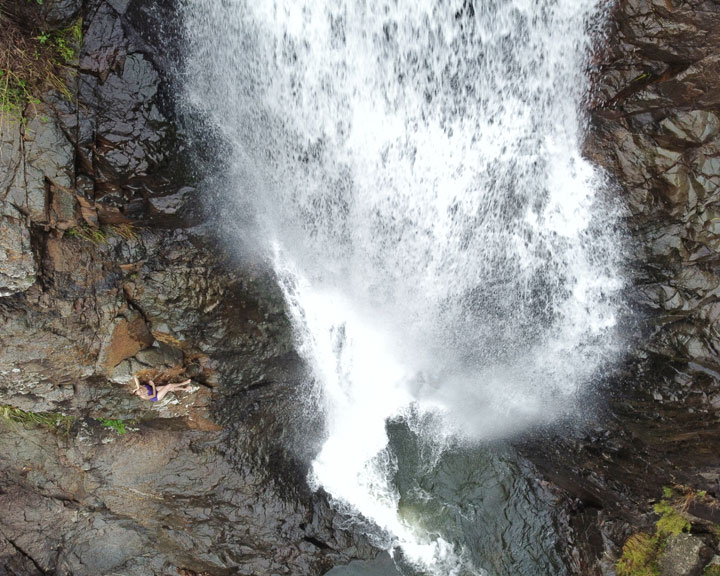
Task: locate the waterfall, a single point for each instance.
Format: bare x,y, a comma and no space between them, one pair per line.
414,172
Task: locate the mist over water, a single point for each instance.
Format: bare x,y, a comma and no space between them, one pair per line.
414,171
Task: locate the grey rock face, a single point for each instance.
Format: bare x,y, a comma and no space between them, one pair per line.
654,115
17,264
150,501
656,131
684,555
107,270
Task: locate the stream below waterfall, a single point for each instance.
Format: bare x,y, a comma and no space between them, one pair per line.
412,171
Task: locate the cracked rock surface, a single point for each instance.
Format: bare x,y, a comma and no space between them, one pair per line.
109,269
654,127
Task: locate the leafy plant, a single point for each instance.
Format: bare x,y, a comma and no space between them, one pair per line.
31,62
51,420
639,556
115,424
96,236
641,552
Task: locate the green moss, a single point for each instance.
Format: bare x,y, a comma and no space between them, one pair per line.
671,522
713,570
115,424
52,420
641,551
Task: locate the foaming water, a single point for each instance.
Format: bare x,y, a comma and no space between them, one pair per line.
415,171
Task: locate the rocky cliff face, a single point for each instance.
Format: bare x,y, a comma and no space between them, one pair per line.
110,268
655,128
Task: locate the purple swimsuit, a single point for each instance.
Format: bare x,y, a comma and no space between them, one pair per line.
150,391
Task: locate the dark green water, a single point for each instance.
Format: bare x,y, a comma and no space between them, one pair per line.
482,498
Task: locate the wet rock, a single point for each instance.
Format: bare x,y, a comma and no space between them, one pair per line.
654,128
104,42
174,210
11,141
662,144
47,159
17,262
122,128
160,355
47,15
122,280
59,13
99,497
127,336
684,555
14,560
692,127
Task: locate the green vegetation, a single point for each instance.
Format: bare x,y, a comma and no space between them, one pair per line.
716,531
639,556
125,231
643,76
641,552
713,570
99,236
54,420
51,420
96,236
115,424
66,42
671,522
31,62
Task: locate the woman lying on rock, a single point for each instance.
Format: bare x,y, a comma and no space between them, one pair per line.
156,393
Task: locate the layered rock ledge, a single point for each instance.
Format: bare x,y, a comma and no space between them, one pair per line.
110,268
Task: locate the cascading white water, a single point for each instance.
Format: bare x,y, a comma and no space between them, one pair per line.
415,171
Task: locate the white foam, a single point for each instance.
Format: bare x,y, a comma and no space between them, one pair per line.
416,168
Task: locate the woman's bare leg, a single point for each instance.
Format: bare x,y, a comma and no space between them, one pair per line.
163,390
